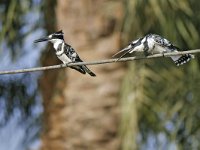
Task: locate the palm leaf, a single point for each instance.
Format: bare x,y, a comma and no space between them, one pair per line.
158,97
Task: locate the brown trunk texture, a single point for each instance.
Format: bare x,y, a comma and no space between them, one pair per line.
82,112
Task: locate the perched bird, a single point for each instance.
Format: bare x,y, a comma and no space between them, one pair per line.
65,52
155,44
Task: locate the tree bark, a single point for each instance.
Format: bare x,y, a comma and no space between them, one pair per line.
82,112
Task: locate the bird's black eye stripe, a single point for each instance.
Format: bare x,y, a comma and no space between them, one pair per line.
58,36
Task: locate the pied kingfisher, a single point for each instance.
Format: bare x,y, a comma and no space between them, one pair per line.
155,44
65,52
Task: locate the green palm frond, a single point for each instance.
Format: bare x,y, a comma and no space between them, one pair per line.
156,93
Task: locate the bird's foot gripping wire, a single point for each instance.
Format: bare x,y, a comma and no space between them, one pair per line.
163,54
66,64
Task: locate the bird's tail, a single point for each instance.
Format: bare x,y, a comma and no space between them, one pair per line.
86,69
182,59
83,69
125,51
79,69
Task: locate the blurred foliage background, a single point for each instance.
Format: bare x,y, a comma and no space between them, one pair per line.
159,102
164,97
20,100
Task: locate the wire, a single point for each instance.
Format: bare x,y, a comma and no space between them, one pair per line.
98,62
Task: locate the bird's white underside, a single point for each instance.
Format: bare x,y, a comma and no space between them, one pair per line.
60,54
64,58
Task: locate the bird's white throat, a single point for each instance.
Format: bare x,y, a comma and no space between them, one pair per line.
56,43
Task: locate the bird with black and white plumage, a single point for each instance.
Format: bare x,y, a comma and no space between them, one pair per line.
65,52
155,44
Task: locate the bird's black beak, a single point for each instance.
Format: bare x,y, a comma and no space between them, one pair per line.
42,39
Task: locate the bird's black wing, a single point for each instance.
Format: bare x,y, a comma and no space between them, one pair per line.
164,42
71,53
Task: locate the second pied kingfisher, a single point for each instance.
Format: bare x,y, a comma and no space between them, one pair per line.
155,44
65,52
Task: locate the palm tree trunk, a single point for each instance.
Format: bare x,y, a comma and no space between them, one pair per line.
82,112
